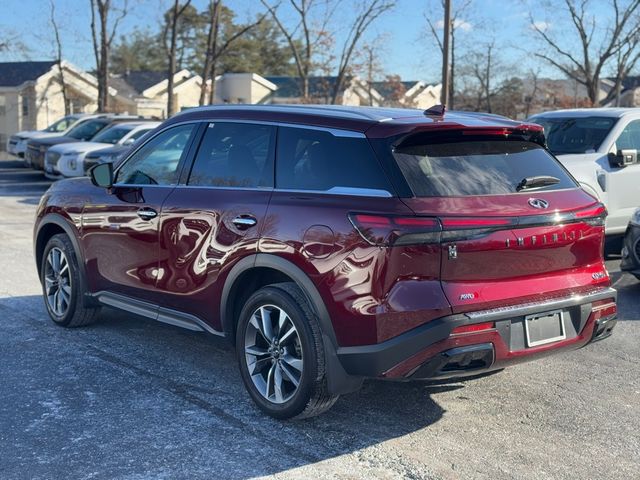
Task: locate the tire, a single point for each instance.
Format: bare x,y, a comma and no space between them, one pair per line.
66,309
310,396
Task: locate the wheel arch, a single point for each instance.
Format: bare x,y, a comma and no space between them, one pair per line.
271,269
49,226
338,380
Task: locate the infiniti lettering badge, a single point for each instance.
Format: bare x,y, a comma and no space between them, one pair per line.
538,203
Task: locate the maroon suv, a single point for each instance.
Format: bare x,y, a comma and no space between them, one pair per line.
333,244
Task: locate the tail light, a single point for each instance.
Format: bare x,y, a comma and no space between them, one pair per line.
473,328
390,230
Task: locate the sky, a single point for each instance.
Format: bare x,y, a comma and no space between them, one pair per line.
408,48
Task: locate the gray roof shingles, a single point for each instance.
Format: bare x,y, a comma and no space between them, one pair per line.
13,74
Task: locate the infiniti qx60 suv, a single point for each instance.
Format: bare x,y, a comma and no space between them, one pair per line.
333,244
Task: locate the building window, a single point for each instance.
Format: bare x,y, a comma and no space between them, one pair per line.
25,106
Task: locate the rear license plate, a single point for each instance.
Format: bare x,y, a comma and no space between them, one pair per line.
543,328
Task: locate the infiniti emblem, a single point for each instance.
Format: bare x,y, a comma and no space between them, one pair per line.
538,203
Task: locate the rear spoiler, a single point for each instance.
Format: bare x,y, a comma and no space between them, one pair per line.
527,132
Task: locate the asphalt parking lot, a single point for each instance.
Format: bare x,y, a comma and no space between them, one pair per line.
134,399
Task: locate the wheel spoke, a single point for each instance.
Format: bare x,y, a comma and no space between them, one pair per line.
259,365
288,335
65,267
292,361
270,381
267,327
49,285
290,375
256,351
277,383
283,318
56,260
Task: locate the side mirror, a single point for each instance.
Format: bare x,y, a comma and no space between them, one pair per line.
623,158
102,175
129,141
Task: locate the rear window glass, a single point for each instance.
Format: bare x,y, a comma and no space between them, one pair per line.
575,135
483,167
318,160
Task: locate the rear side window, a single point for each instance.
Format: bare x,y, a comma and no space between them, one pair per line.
235,155
317,160
483,167
575,135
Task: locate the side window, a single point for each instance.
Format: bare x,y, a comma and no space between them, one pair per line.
235,155
629,139
156,163
318,160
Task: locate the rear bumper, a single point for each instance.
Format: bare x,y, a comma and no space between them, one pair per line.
434,351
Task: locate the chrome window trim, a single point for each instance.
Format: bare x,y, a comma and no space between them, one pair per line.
336,132
342,191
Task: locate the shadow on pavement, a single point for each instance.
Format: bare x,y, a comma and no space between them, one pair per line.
18,181
170,393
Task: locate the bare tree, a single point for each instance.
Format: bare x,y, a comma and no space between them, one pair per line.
63,83
530,98
367,14
302,38
456,23
170,37
585,64
102,37
215,48
369,65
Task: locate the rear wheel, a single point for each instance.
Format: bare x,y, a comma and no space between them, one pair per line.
61,285
281,355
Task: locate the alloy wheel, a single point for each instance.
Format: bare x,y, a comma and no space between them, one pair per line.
57,282
273,353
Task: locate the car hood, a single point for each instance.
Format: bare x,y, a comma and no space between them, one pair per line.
578,157
112,150
29,134
50,141
79,147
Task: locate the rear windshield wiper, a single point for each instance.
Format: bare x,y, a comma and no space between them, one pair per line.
536,182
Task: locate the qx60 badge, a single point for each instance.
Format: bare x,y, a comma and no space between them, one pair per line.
538,203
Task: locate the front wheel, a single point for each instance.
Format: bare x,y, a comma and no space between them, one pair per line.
61,285
281,355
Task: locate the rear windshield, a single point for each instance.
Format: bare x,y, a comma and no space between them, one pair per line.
88,129
482,167
575,135
111,135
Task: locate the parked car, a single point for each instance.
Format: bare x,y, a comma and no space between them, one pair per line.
333,244
83,132
631,249
107,155
67,159
17,144
599,147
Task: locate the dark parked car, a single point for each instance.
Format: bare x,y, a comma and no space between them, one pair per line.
333,244
84,131
631,248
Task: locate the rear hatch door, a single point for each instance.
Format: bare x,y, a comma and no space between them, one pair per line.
514,225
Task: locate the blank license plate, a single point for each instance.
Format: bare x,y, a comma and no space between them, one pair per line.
543,328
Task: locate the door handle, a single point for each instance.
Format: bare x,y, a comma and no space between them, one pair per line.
147,213
244,221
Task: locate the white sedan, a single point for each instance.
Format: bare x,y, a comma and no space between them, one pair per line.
67,159
17,143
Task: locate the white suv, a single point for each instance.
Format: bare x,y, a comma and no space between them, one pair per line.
17,143
599,147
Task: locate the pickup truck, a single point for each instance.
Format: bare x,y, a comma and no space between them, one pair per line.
599,147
